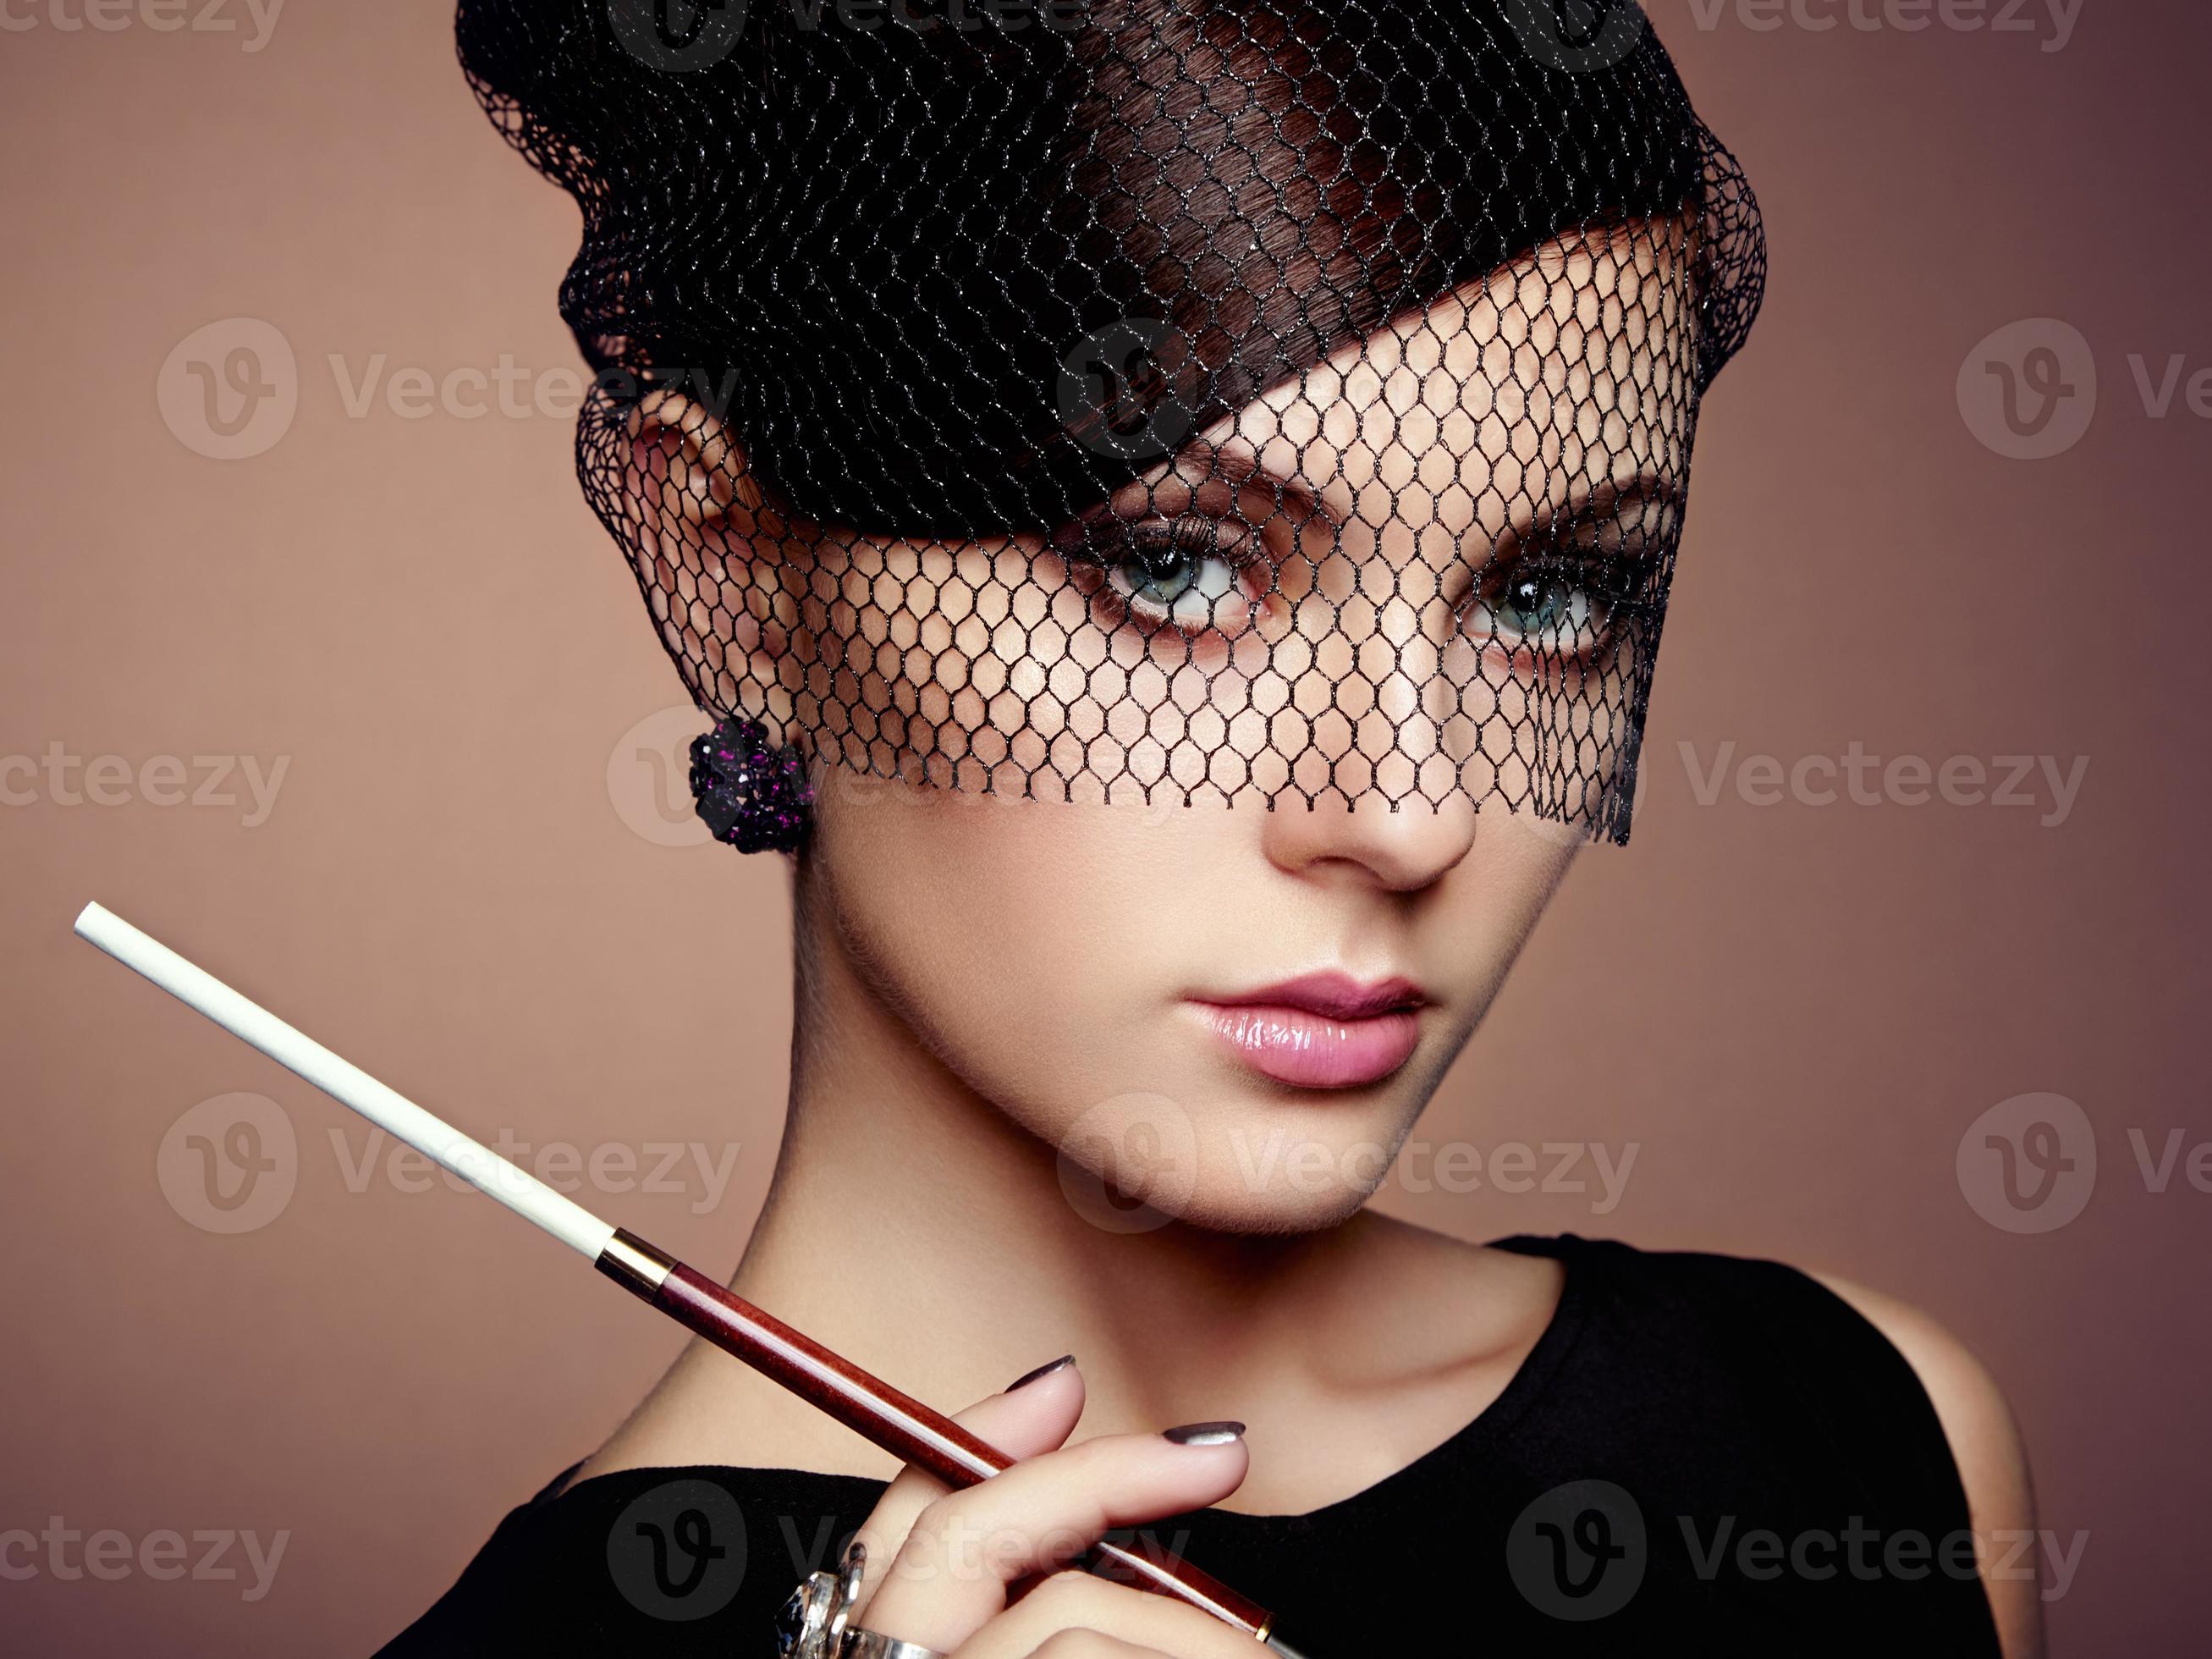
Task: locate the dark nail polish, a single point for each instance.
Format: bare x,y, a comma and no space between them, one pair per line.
1059,1364
1205,1434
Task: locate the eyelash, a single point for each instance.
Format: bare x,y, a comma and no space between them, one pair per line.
1611,583
1153,547
1614,580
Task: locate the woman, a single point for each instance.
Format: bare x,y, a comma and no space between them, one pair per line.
1131,487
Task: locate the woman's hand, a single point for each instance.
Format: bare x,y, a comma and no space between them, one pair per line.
946,1568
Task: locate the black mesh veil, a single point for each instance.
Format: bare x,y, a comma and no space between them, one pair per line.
1239,400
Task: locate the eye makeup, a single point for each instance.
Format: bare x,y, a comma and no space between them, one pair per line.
1206,555
1198,551
1557,593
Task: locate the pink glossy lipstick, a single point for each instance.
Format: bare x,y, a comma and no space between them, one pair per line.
1325,1030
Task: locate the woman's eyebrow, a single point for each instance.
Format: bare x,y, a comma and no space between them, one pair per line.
1235,466
1594,503
1203,479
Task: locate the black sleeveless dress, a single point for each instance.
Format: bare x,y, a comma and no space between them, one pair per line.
1701,1454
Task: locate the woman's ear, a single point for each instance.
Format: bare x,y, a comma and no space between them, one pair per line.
716,562
685,466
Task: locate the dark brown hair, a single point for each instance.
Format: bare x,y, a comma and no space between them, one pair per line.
899,249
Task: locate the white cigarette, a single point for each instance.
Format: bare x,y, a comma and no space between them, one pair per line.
391,1111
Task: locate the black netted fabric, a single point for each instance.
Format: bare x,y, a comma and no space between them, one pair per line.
1268,401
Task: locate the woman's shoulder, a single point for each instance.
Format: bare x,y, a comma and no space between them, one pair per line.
1815,1333
1729,1344
1881,1389
1984,1439
1748,1306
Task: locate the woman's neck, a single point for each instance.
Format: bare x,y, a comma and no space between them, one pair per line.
920,1226
913,1227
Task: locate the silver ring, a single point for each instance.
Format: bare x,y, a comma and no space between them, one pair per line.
866,1644
813,1623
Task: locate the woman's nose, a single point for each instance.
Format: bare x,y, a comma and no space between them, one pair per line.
1415,823
1401,849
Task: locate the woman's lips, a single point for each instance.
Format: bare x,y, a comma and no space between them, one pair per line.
1322,1030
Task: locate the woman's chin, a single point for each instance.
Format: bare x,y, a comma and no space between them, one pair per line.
1235,1208
1223,1189
1243,1162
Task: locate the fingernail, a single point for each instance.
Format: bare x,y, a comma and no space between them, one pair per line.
1205,1434
1059,1364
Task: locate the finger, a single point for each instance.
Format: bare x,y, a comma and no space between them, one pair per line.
1070,1605
1089,1644
1036,1415
952,1572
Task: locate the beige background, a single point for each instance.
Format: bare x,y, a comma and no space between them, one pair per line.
1794,1012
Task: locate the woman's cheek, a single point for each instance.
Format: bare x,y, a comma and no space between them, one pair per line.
1042,951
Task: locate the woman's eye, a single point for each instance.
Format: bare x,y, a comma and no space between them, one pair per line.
1179,575
1565,591
1538,603
1559,610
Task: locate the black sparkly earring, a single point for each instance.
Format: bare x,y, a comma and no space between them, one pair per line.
752,794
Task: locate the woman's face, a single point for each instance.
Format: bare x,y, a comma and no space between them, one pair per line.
1106,975
1364,591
